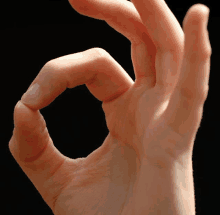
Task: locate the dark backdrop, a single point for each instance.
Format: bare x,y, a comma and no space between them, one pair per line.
34,32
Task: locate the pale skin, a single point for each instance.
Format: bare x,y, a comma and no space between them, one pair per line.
144,165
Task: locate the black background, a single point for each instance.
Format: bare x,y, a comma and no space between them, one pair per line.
34,32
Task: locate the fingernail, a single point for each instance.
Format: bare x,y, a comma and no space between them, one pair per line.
32,95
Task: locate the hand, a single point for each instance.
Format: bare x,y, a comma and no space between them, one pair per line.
144,165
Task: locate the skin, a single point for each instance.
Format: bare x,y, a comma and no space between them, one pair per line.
144,165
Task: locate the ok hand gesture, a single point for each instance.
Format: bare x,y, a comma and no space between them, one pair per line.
144,165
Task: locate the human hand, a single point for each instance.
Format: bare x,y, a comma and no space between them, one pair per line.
145,162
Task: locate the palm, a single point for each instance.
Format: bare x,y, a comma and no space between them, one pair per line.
105,181
141,110
108,177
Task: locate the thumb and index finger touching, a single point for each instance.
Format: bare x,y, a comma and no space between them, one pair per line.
89,67
103,76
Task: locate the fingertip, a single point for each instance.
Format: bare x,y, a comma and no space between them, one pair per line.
19,110
204,9
23,114
199,8
21,107
30,135
195,15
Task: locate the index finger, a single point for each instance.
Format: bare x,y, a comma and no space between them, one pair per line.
121,15
95,68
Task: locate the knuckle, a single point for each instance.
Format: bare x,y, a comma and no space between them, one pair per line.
205,53
54,66
199,95
101,54
204,93
52,70
198,57
49,64
208,52
50,67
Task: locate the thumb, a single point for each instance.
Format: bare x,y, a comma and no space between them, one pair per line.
30,136
33,149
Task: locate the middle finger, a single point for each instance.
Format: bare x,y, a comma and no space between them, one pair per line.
162,26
